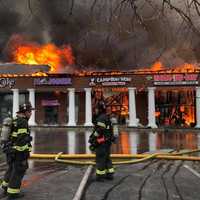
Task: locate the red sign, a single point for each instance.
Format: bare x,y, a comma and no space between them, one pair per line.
175,79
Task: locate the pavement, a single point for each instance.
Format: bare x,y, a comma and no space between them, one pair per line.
151,180
52,181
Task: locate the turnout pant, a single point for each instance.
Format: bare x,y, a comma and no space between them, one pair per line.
17,166
103,161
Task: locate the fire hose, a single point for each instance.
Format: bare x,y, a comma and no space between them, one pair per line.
133,158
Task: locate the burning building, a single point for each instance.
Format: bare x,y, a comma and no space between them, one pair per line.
63,95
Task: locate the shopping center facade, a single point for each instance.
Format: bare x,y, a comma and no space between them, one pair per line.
144,99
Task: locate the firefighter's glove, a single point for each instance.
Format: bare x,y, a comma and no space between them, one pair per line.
28,139
7,147
101,139
114,139
92,148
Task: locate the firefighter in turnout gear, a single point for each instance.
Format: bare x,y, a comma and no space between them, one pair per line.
100,142
17,146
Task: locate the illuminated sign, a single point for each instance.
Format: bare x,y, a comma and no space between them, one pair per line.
52,81
50,102
109,81
7,82
176,79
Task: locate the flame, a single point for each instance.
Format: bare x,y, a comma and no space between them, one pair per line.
48,54
157,113
157,66
189,115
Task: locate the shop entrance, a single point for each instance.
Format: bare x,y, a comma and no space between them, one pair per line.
175,108
51,114
116,101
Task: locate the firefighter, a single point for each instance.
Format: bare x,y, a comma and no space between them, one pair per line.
17,146
100,142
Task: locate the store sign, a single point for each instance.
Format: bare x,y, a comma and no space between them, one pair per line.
50,102
176,79
52,81
109,81
7,82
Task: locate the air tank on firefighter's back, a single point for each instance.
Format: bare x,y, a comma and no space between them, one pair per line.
115,126
6,128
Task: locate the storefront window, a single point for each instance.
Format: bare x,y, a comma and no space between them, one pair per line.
175,108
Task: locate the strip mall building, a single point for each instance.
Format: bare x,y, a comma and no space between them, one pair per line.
147,99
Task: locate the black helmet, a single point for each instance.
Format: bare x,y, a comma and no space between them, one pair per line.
101,106
25,107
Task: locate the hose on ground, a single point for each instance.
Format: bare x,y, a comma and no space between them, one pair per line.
168,156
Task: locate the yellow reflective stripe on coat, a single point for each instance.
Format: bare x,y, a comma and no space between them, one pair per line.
100,172
22,148
22,130
101,124
4,183
14,134
13,191
110,170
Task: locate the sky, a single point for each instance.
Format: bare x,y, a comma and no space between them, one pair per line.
105,34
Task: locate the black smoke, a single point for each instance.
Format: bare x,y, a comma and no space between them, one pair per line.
106,34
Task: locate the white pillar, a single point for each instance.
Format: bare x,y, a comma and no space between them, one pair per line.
198,141
151,108
88,107
132,108
15,101
71,142
87,136
152,142
32,101
71,109
197,107
133,142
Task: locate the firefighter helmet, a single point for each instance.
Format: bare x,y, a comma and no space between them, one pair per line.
25,107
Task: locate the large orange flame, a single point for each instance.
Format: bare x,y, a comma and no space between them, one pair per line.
48,54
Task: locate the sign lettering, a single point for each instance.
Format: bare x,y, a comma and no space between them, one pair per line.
7,82
109,81
52,81
176,79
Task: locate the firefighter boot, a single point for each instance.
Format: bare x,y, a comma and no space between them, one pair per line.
3,191
100,178
15,196
109,176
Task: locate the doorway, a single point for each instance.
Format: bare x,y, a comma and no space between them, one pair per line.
51,115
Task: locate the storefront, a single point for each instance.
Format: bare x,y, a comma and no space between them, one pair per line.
133,99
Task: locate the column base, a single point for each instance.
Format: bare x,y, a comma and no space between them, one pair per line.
152,126
88,124
71,124
197,126
32,124
133,125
